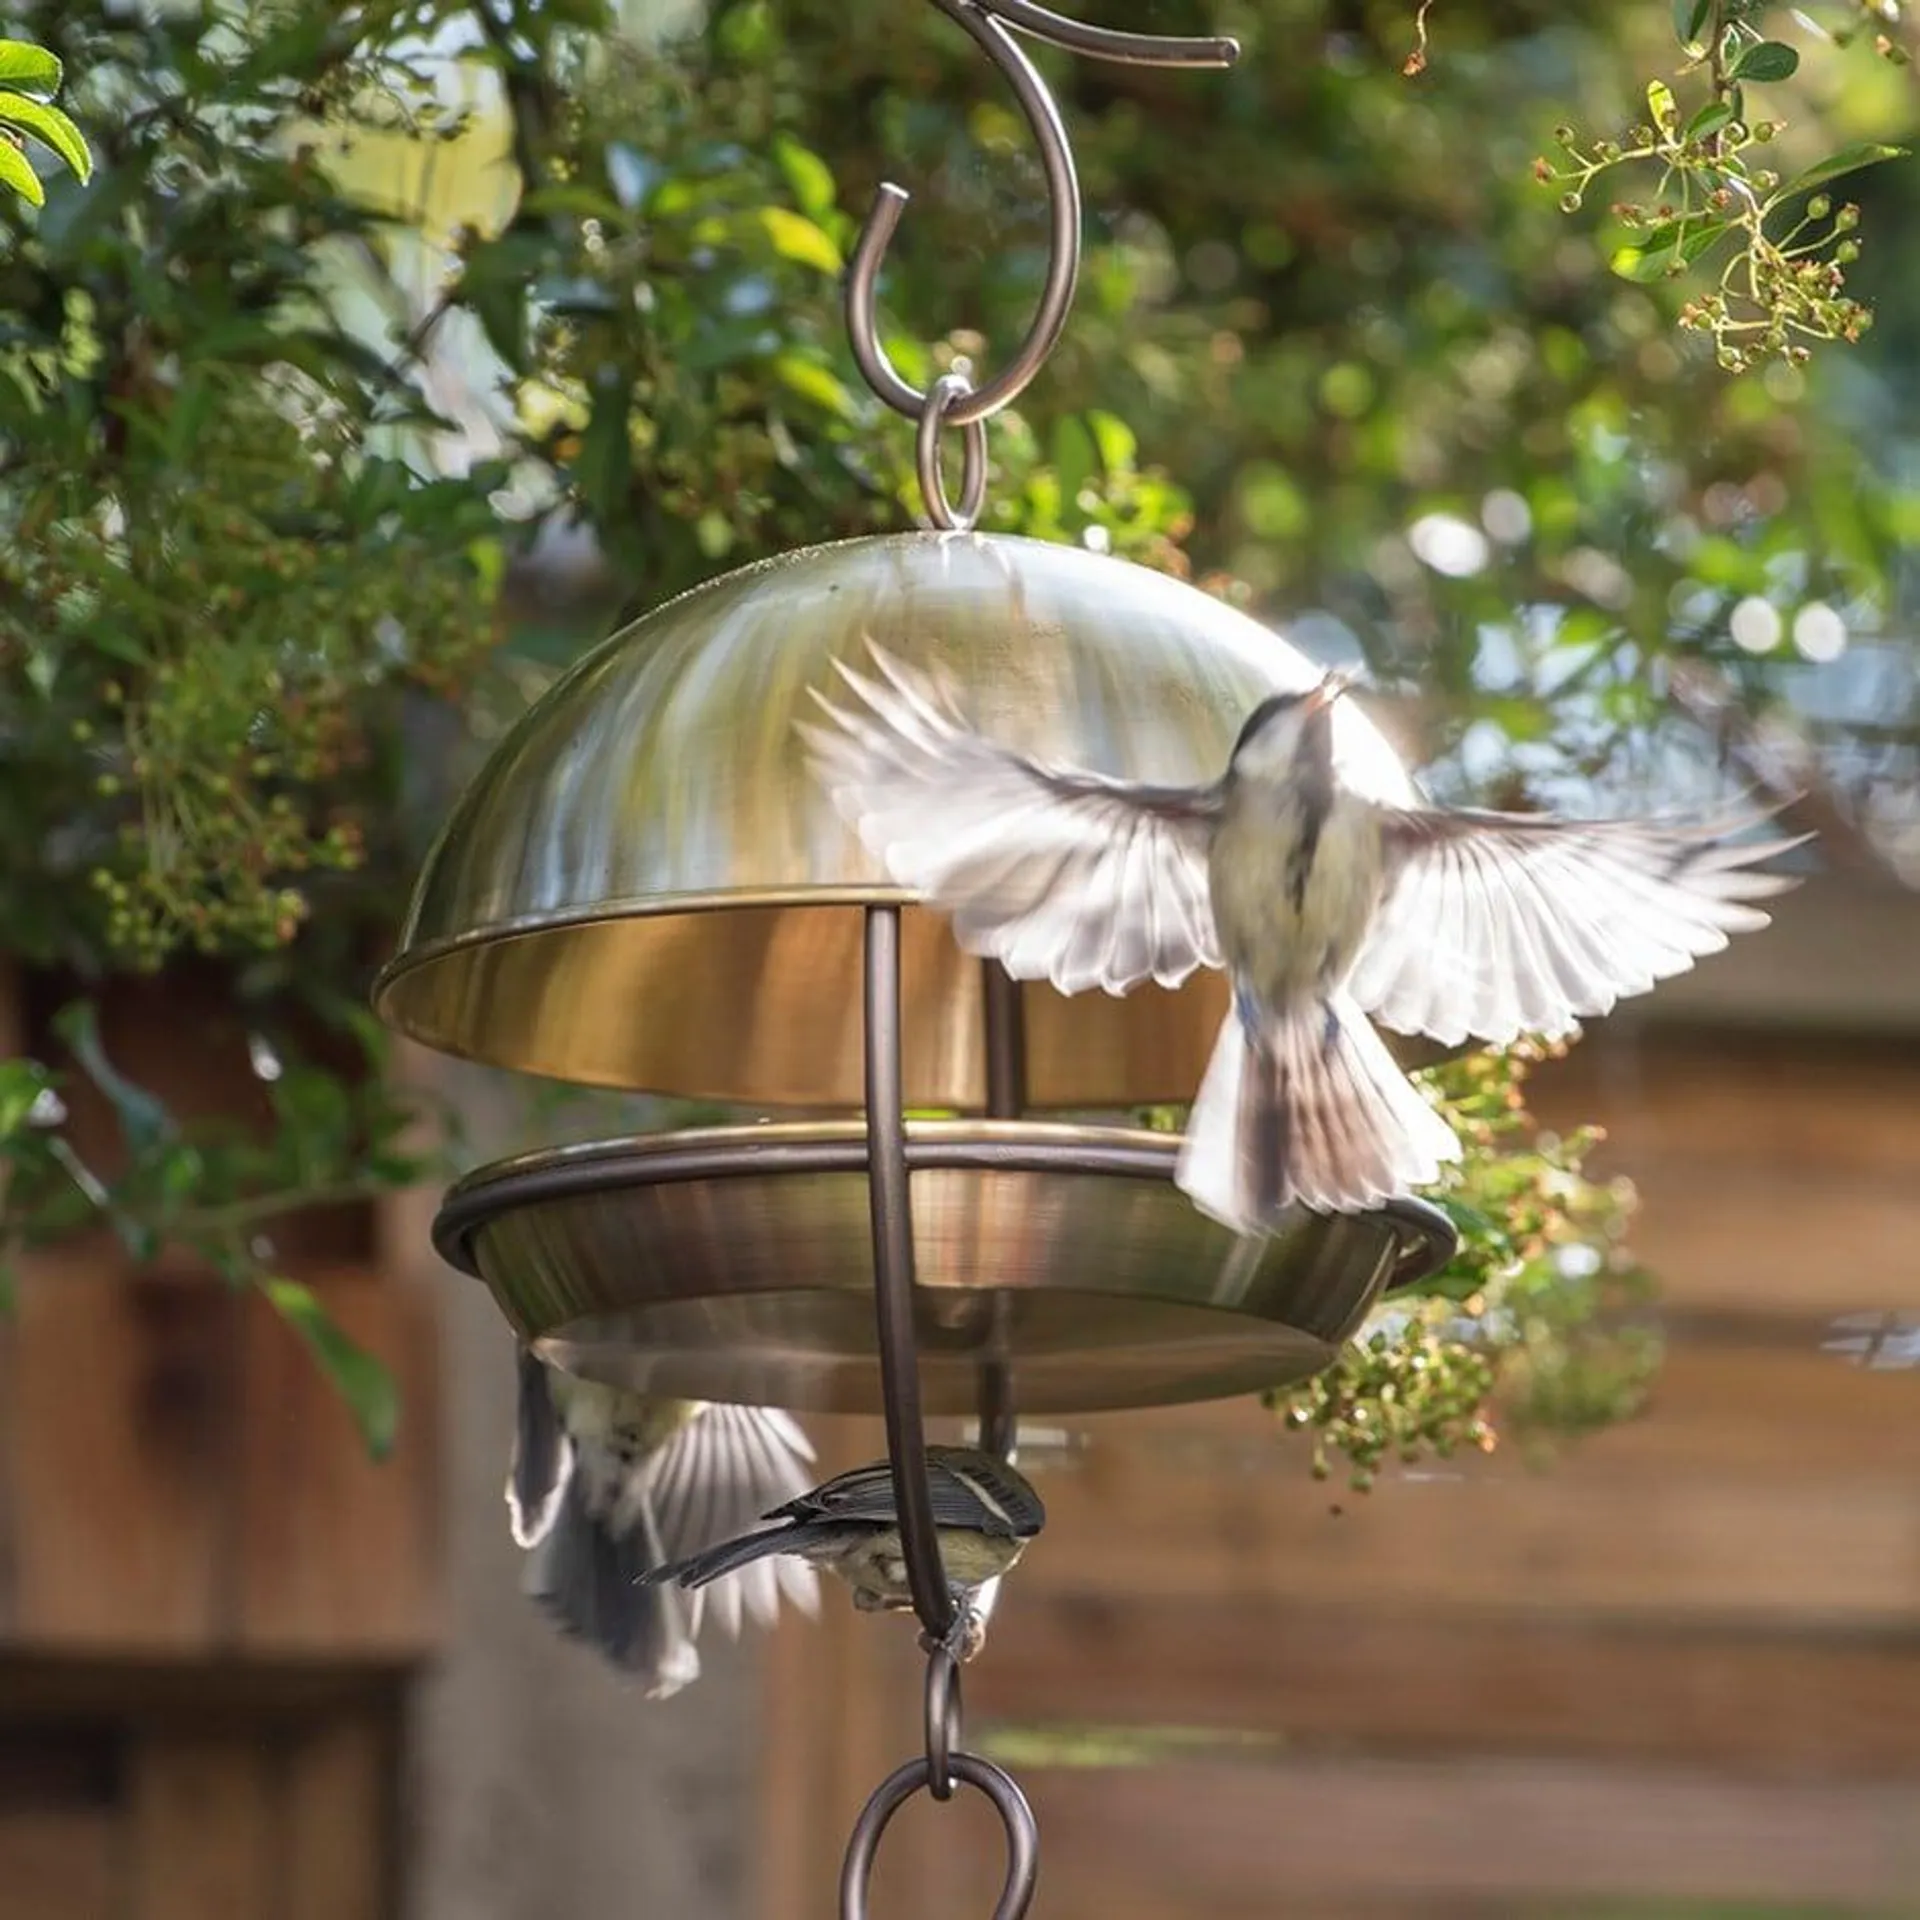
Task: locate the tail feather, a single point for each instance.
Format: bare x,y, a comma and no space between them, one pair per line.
1313,1111
591,1581
730,1556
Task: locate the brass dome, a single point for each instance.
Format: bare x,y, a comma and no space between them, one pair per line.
646,888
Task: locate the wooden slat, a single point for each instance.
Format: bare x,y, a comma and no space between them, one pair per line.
60,1857
1635,1547
1774,1175
1831,1107
202,1827
337,1792
1175,1841
1392,1679
120,1460
338,1552
58,1863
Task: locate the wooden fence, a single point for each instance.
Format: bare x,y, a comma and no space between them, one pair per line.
1680,1666
210,1597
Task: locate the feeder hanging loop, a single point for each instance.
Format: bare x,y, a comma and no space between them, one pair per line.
992,24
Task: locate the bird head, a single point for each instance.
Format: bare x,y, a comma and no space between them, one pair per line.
1282,727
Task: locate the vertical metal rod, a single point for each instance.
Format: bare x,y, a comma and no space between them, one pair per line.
892,1217
1006,1050
1006,1034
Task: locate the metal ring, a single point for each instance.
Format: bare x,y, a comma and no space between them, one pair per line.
947,393
989,22
943,1720
1016,1818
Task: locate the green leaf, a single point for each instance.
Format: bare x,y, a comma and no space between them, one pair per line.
24,66
1115,440
1074,457
1660,104
1864,153
143,1119
603,468
808,177
1710,119
1770,60
1689,17
813,382
22,1082
1659,251
50,126
17,174
365,1385
1643,264
797,238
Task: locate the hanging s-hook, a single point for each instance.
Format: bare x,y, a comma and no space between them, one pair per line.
989,22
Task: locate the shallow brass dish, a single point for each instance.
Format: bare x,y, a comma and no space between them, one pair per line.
737,1264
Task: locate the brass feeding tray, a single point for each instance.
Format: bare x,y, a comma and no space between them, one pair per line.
737,1264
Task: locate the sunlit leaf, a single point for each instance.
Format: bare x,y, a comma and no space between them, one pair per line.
808,177
15,172
27,66
797,238
50,126
814,382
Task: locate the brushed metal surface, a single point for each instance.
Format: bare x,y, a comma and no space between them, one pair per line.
570,922
737,1264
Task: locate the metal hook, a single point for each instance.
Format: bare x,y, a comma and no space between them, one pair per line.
990,23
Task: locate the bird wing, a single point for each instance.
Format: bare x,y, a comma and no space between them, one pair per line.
977,1492
542,1462
1499,924
1063,876
713,1481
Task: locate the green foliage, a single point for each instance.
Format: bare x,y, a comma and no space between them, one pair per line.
1781,285
250,621
223,609
1529,1328
29,78
214,1189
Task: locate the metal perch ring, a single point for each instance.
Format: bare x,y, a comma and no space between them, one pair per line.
1016,1818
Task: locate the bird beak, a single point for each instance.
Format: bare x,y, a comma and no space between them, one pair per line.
1329,690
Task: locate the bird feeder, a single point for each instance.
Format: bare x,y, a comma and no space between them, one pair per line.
646,888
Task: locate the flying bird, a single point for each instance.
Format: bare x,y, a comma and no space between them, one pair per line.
1324,906
984,1513
606,1485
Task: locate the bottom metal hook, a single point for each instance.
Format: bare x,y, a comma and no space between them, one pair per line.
1016,1818
944,392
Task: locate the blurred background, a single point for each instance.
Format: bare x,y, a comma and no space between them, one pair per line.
390,355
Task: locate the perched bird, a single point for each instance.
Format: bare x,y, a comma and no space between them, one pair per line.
606,1485
1323,904
984,1513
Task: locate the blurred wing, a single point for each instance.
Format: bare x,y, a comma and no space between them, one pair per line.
542,1461
1494,924
1060,876
716,1479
